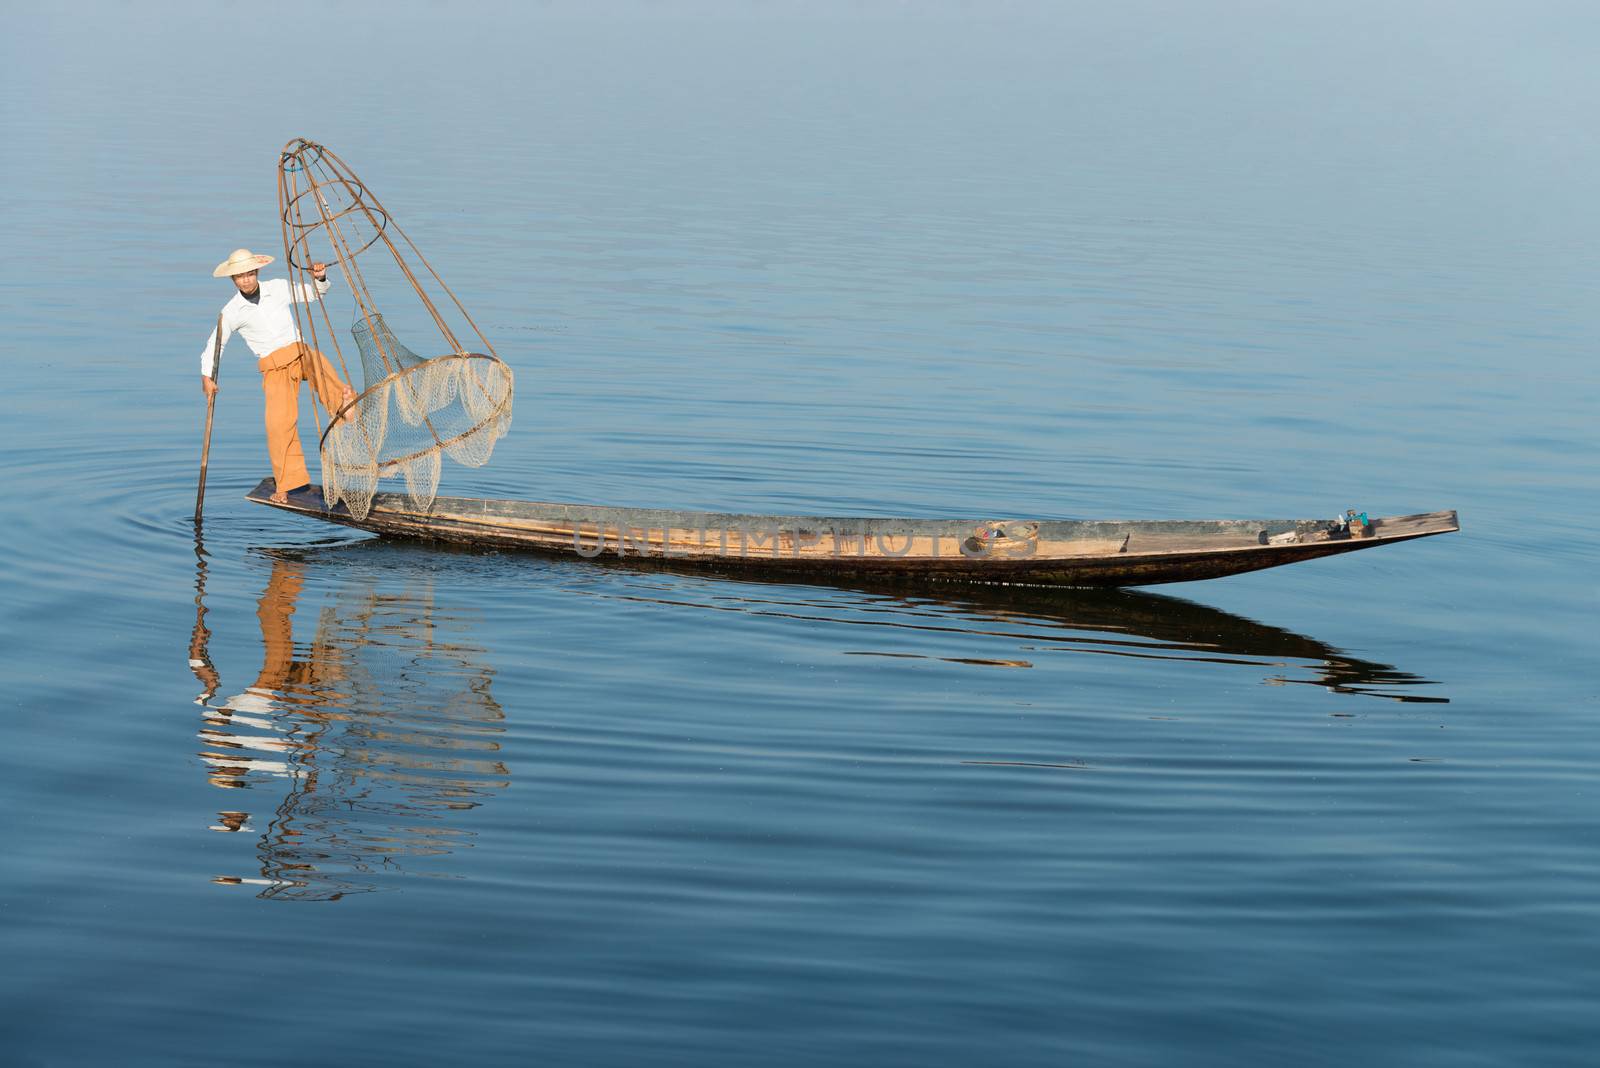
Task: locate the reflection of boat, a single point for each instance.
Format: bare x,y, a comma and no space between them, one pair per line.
378,730
1071,553
1155,626
1122,623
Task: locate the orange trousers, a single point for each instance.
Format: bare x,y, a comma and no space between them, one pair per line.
282,371
320,662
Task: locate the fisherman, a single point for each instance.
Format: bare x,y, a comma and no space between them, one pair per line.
262,314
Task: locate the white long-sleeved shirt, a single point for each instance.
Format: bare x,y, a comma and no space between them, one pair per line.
266,324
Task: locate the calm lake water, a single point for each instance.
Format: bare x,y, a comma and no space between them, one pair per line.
290,794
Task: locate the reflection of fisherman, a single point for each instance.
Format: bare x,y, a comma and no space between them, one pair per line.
280,673
279,669
263,315
371,759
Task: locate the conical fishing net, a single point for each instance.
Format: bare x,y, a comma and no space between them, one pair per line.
411,408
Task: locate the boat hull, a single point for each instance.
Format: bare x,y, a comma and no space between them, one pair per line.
1001,551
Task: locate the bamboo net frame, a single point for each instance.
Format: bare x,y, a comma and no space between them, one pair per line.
410,409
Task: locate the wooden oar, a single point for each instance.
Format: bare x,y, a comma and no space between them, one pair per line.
211,404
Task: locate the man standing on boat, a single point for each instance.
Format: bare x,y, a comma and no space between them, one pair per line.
263,314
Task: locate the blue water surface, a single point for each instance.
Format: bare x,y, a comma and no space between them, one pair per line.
284,793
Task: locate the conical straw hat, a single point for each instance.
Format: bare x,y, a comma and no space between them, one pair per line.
239,261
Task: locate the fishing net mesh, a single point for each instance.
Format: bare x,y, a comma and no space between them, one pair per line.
456,405
412,409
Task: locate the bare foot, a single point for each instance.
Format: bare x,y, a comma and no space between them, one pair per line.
282,496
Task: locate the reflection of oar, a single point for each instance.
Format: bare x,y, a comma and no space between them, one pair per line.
199,655
211,405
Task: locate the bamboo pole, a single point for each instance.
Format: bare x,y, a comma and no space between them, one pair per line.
211,405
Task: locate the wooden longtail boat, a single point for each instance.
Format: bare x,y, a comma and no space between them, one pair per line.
999,551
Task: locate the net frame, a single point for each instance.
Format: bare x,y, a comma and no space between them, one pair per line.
319,195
